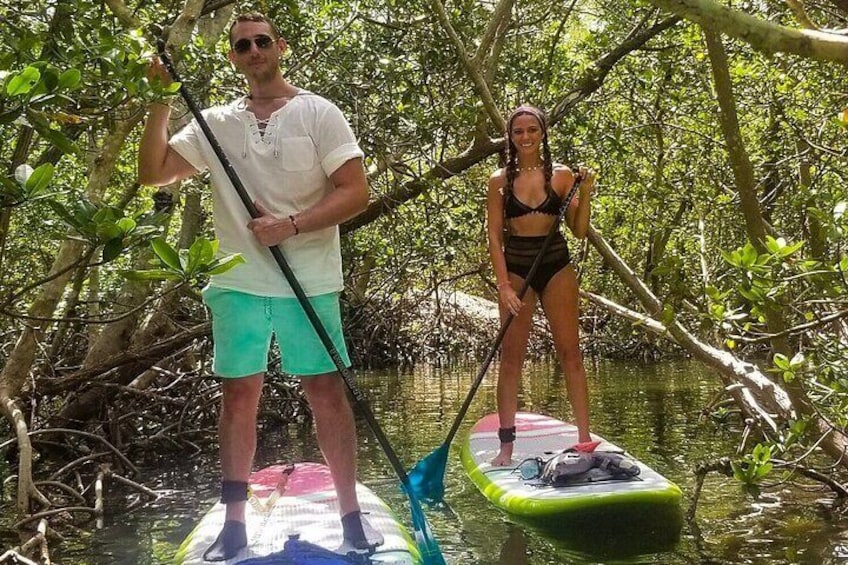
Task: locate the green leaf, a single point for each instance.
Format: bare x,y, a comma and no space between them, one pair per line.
69,79
166,253
61,141
717,311
107,231
199,254
49,79
753,294
207,253
781,361
738,473
126,225
225,264
142,231
10,116
56,137
732,258
761,453
113,248
775,245
749,255
713,292
39,179
63,213
763,470
790,249
193,257
84,211
107,214
667,316
23,82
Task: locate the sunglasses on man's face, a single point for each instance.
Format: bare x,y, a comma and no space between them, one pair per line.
261,41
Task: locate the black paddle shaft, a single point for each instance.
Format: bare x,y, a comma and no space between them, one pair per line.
506,323
318,326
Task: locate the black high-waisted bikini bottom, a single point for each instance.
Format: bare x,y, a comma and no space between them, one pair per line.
521,251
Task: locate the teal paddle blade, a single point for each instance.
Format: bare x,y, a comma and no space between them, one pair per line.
427,478
427,545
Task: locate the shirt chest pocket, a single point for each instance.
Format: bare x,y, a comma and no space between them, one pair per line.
297,153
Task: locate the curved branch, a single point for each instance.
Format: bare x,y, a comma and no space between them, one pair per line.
52,512
95,437
760,34
26,486
595,75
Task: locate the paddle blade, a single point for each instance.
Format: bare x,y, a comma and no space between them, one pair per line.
427,478
427,545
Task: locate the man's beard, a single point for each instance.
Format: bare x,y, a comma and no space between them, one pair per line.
263,72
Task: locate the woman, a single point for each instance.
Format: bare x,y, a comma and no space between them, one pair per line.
524,199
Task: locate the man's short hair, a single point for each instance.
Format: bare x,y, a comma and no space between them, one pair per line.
254,17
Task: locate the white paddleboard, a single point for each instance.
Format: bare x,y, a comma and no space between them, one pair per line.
306,506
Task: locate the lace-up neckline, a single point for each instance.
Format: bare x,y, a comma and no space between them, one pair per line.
263,132
262,125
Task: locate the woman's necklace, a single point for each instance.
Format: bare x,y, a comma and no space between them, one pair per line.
529,169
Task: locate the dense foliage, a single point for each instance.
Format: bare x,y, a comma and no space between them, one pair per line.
631,91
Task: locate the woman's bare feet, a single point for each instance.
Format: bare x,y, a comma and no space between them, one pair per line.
504,456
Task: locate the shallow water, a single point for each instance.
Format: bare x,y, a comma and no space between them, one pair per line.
651,410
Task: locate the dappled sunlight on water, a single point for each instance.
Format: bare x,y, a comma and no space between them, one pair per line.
651,410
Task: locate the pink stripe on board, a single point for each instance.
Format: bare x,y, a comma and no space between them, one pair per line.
524,422
307,478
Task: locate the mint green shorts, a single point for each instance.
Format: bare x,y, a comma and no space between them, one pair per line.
242,325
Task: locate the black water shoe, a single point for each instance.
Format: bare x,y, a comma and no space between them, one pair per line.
230,541
359,533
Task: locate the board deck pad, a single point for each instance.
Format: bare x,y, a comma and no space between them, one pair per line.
544,436
307,506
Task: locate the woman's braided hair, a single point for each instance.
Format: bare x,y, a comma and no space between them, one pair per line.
512,152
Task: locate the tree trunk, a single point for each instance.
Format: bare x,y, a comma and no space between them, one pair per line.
125,335
755,226
816,234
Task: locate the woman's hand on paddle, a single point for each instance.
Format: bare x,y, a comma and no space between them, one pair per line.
268,229
509,298
587,181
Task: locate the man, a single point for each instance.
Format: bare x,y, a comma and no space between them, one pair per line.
297,156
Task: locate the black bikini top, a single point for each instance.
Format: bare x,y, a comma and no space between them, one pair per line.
514,208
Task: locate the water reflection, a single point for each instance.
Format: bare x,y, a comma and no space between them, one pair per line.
652,410
514,548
